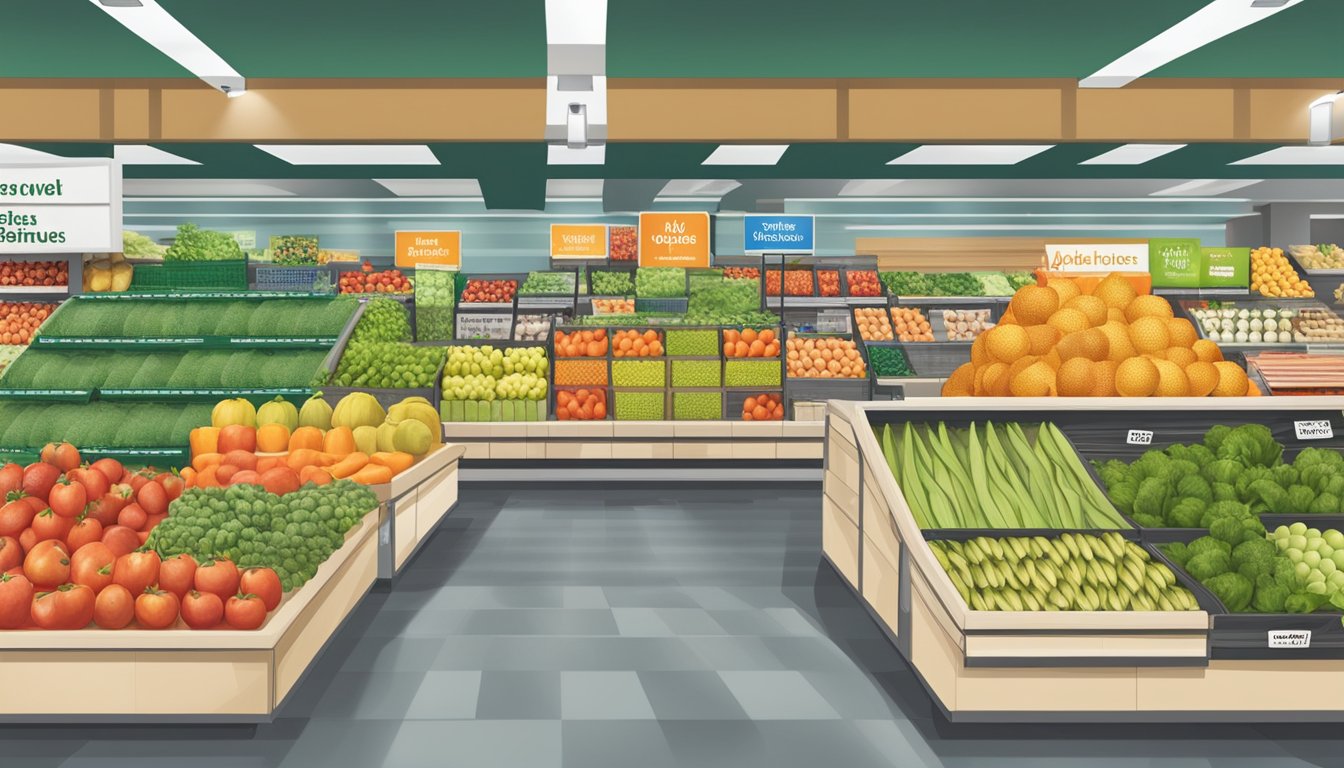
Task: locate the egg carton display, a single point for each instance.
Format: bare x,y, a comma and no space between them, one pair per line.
1268,325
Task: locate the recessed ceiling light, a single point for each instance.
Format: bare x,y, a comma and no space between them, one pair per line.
351,154
869,187
698,187
1215,20
970,154
143,154
1133,154
574,187
746,154
13,153
559,154
432,187
151,23
1205,187
1332,155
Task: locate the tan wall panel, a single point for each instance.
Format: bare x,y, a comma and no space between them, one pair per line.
130,114
729,114
881,585
318,114
66,682
1124,114
952,254
840,541
1081,689
50,114
203,683
951,114
1250,685
1281,115
936,655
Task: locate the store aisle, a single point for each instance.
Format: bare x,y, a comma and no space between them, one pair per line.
631,626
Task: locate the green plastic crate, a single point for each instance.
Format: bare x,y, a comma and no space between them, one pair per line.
191,276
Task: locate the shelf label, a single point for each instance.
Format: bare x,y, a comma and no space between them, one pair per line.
1225,267
60,208
1289,638
578,241
475,326
674,240
440,248
1314,430
1091,256
778,234
1139,437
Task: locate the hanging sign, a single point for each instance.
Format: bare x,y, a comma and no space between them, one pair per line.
778,234
578,241
60,208
674,240
1175,262
1090,256
438,248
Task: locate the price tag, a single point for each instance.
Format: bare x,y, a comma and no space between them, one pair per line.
1314,430
1290,638
488,327
1139,437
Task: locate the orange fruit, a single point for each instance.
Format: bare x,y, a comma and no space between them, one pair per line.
1182,332
1052,359
1033,304
1103,378
1115,290
1232,381
1007,343
996,380
979,352
1043,338
960,382
1171,380
1136,377
1074,378
1036,380
1091,344
1115,314
1121,348
1203,378
987,377
1148,306
1182,356
1069,320
1094,308
1065,287
1021,364
1207,351
1149,334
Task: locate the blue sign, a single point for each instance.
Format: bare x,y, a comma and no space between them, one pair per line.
778,233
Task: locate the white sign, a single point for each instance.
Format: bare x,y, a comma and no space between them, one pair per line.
1290,638
1139,437
1314,430
60,207
1096,257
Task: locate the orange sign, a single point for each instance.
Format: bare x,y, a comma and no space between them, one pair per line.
415,248
578,241
674,240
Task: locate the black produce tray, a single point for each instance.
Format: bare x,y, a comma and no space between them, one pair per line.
1102,435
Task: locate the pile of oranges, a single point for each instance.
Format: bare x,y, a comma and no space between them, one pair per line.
763,408
1273,275
750,343
824,358
1057,339
633,343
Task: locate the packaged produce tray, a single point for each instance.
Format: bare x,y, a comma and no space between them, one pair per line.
290,278
191,276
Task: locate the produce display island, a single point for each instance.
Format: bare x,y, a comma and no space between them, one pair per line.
1004,663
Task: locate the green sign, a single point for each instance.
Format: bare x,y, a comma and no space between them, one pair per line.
1175,262
1225,268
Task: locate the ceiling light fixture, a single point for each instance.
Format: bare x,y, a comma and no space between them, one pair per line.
746,154
13,153
869,187
151,23
1133,154
1333,155
698,188
351,154
1218,19
970,154
561,154
143,154
1205,187
431,187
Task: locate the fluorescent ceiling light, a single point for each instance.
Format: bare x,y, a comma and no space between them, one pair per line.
13,153
574,187
869,187
1332,155
151,23
1205,187
970,154
432,187
212,188
746,154
698,187
576,22
559,154
143,154
1215,20
1133,154
351,154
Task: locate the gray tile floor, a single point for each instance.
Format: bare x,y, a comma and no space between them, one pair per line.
633,626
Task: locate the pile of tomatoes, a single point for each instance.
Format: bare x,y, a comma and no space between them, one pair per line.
828,282
741,273
368,281
489,291
863,282
623,243
34,273
19,320
72,553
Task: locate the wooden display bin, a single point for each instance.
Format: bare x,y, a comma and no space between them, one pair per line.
1043,666
183,675
413,505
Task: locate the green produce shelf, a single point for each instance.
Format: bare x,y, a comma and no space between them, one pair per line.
191,276
48,395
202,395
198,342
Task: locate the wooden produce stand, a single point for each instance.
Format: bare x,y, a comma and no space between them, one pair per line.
1049,666
413,505
184,675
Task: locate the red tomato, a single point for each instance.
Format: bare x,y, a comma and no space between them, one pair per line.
280,480
121,540
94,482
218,577
11,478
85,531
67,499
16,514
69,606
136,571
263,583
202,610
172,483
177,574
28,539
63,456
153,521
156,609
91,565
11,553
38,479
245,612
113,608
238,437
133,517
48,525
110,469
16,599
152,498
47,564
